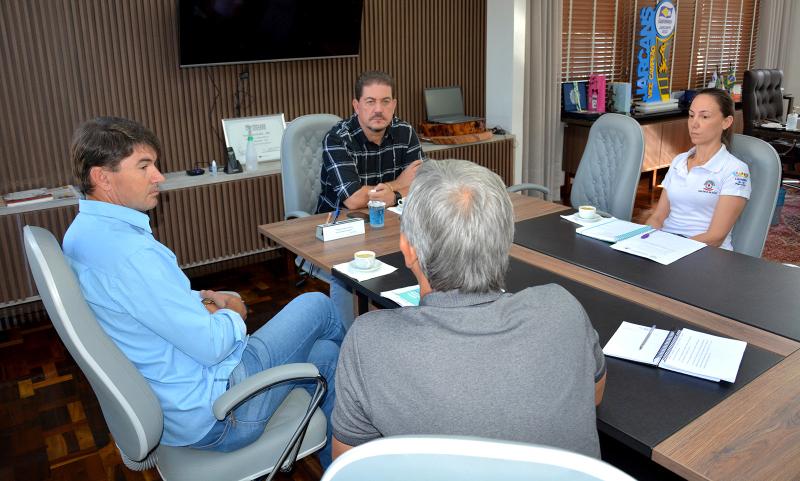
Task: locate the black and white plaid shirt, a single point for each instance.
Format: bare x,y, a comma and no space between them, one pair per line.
349,160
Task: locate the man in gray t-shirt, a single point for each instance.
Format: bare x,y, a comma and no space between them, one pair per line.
471,359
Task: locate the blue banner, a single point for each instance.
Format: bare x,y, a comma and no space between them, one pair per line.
655,48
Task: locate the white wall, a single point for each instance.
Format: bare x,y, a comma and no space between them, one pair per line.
505,75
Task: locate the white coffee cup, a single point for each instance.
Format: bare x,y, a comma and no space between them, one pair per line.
587,212
364,259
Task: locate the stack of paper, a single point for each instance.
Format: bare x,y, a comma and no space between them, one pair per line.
642,240
654,107
659,246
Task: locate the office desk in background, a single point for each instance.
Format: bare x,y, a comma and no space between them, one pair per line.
751,434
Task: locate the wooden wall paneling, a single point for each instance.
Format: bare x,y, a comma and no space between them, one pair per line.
15,283
62,62
496,156
218,221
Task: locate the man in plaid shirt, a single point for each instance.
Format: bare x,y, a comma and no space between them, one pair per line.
373,155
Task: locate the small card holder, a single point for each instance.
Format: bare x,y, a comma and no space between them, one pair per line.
341,229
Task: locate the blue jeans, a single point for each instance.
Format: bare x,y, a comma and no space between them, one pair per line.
341,295
308,329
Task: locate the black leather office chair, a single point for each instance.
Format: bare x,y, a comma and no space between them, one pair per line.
762,101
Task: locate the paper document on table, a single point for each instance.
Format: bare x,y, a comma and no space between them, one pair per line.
405,296
614,230
659,246
703,355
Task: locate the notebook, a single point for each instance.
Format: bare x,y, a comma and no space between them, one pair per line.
445,105
685,351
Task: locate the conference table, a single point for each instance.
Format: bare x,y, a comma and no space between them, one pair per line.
698,429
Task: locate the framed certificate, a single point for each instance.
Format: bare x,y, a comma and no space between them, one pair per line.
267,131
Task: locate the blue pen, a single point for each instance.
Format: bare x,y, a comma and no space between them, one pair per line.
646,235
335,214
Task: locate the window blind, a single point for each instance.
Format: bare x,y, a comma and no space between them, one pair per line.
601,36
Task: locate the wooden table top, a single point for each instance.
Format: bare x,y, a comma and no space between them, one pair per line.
299,235
753,434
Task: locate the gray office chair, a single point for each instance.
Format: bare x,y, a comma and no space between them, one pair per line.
609,171
528,186
131,410
750,231
301,161
440,458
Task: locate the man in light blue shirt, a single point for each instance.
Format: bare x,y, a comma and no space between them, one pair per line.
190,346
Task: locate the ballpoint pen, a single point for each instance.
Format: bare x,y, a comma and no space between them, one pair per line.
647,336
335,214
646,235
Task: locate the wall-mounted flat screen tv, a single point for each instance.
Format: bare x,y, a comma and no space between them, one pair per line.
216,32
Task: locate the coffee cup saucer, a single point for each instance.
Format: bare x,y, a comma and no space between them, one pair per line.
375,267
595,218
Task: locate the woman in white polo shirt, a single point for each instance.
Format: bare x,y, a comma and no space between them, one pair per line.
705,189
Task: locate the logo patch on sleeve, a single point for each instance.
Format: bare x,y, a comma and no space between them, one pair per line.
741,178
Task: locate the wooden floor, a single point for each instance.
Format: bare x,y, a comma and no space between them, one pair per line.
51,427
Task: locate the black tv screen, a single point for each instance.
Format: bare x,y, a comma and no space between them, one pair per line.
245,31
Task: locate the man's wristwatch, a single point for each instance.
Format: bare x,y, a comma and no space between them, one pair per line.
397,197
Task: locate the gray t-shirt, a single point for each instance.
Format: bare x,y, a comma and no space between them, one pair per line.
519,367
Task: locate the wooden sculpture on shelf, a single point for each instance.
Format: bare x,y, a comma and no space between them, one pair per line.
453,134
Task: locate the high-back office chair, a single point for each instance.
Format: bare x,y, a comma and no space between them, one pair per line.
133,413
301,160
750,231
609,171
762,101
440,458
762,98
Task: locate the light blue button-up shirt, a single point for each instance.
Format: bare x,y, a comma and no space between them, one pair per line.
144,302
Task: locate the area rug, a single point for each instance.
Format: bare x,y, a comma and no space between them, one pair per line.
783,240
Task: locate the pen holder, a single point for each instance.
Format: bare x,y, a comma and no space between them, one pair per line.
340,229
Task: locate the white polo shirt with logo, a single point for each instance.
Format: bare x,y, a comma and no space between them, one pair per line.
693,196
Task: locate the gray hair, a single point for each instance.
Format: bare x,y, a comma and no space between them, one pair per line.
459,218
